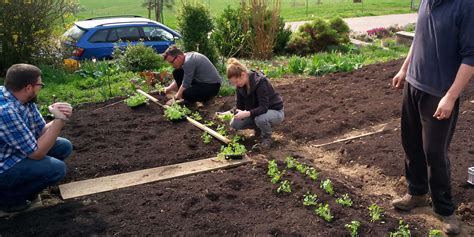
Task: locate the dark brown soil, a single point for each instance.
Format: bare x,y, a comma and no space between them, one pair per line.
117,139
239,201
335,104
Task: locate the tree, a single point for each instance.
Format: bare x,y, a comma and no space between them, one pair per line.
26,28
157,7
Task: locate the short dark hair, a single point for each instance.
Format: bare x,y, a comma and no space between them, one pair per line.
21,75
172,51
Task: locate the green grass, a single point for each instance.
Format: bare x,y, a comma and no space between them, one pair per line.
291,10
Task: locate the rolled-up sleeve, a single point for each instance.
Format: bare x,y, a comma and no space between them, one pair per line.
466,32
15,133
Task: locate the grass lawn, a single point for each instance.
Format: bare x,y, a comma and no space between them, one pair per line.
292,10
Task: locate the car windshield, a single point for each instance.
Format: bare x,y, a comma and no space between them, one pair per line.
74,33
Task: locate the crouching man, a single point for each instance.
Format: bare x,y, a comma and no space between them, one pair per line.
31,153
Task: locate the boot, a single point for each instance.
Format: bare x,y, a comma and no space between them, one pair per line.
451,225
408,202
267,142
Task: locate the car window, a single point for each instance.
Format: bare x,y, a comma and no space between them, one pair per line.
99,36
128,33
156,34
74,33
113,36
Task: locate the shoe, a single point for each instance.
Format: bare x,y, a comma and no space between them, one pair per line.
17,208
451,225
257,133
408,202
267,142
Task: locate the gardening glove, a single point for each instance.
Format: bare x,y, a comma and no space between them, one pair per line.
61,110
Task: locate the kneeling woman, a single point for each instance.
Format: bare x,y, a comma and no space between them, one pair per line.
259,106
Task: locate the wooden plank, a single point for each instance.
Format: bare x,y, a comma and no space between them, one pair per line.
113,182
191,120
379,128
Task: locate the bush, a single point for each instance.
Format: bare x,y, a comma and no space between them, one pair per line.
137,58
318,36
26,29
282,39
229,36
195,24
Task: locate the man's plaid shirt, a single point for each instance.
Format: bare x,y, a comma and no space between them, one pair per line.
20,126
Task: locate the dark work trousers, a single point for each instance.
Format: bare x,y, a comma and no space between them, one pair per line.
201,92
426,141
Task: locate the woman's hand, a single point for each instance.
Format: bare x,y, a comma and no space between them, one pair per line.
242,114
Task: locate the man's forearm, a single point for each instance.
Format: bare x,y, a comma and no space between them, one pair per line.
465,73
179,94
407,60
47,140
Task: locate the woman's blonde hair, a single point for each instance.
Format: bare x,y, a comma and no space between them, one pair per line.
235,68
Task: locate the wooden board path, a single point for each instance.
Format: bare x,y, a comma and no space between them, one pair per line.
112,182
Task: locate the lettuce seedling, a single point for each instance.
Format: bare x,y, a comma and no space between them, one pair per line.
435,233
176,112
209,123
233,149
291,162
272,168
284,187
225,117
327,186
206,137
301,168
136,100
310,199
345,200
353,228
221,130
277,176
324,212
196,116
403,230
375,212
312,173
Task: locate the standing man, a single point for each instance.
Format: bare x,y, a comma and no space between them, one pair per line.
438,67
195,77
31,153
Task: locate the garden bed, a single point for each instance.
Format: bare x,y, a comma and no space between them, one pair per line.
243,201
117,139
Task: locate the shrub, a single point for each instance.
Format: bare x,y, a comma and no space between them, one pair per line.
264,23
318,35
26,29
137,58
229,36
195,24
282,38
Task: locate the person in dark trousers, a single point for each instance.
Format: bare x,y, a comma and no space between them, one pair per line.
258,105
438,67
195,77
31,152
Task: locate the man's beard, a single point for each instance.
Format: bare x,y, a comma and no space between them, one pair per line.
33,99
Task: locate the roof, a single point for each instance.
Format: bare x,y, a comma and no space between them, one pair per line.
110,21
94,22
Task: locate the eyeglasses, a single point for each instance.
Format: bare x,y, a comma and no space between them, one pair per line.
172,61
42,85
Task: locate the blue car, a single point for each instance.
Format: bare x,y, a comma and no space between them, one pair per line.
96,37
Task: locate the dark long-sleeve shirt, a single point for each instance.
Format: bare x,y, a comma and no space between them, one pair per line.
444,39
260,98
198,68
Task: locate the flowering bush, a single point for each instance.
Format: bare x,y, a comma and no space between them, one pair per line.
379,32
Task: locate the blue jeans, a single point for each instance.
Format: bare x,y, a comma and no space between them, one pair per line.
28,177
264,122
